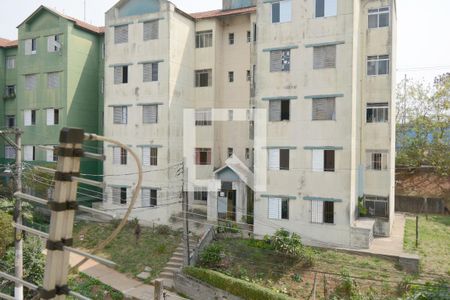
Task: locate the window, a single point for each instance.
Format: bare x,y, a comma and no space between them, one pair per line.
50,156
278,159
247,153
377,160
322,212
249,36
120,74
119,156
230,76
203,39
149,197
121,34
378,65
10,91
150,72
249,75
10,121
10,152
231,38
230,152
119,195
326,8
324,57
29,153
377,112
53,43
377,206
254,32
149,156
281,11
324,109
150,114
278,208
29,117
10,62
53,80
203,156
30,82
30,47
120,115
379,17
280,60
323,160
279,110
203,78
151,30
52,116
201,193
203,117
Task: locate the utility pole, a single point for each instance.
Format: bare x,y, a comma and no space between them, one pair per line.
62,214
18,242
185,199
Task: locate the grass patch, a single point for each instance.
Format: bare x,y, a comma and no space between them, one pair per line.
245,260
153,248
434,242
92,288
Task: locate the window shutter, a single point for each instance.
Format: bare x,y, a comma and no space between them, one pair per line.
274,159
116,155
10,152
285,11
30,82
118,75
317,160
275,61
28,44
368,160
150,114
384,161
121,34
146,156
323,109
117,115
317,211
51,44
28,153
53,80
145,196
27,117
274,208
115,195
325,57
330,8
151,30
49,155
50,116
147,72
275,110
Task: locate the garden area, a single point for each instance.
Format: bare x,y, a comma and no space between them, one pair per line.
293,271
133,249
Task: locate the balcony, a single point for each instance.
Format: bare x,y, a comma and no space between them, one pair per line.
8,96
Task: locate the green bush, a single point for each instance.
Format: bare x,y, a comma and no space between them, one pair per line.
163,229
237,287
211,256
6,232
439,290
285,242
228,227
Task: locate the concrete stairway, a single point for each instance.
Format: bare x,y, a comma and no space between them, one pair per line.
175,263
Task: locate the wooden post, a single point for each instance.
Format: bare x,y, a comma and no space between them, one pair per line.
426,208
18,243
159,289
325,291
62,214
417,231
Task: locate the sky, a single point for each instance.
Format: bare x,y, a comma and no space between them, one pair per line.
423,40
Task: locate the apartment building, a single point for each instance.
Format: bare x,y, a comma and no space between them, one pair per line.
52,78
321,71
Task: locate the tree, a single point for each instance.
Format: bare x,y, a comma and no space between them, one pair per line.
6,233
423,124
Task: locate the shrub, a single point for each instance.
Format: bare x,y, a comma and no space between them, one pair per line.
245,290
211,256
438,290
286,243
163,229
347,288
228,227
6,232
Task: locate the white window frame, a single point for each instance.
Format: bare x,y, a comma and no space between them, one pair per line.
29,153
203,39
330,8
10,62
53,43
203,117
380,112
377,60
275,208
10,152
378,12
284,11
372,163
124,115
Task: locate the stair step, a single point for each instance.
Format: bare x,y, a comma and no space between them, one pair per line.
174,264
164,275
176,260
170,269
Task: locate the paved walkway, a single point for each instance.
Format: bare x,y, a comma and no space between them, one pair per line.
392,245
131,288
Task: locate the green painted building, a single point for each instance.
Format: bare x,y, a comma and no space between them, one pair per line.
56,80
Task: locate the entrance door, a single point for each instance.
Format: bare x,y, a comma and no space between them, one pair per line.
231,212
